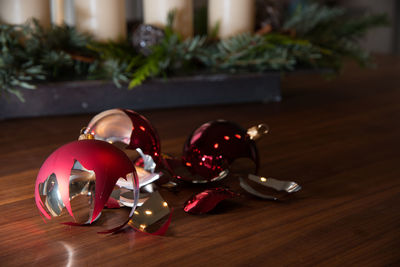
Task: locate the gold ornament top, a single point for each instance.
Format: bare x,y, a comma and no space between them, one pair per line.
84,136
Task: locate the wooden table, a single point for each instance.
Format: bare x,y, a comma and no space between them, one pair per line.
340,140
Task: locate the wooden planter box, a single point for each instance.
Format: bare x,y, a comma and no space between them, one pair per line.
94,96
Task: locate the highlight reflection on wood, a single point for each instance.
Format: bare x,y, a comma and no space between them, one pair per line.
339,140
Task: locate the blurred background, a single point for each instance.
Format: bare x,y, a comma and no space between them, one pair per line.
60,54
384,40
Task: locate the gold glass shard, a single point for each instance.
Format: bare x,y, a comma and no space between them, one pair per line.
154,209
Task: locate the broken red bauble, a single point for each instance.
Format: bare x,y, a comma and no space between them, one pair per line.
206,201
130,128
78,178
213,147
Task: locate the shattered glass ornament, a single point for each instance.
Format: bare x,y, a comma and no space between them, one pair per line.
145,36
78,178
129,128
215,145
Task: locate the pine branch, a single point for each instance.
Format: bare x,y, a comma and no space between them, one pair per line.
334,30
306,18
114,58
171,55
17,69
248,52
30,53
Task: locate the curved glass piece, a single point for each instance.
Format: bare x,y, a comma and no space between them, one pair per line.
128,127
112,126
82,189
50,196
214,146
82,184
287,187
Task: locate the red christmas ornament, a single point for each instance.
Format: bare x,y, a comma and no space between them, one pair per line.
78,178
128,127
212,147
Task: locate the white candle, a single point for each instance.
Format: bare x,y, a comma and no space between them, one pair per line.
19,11
155,12
58,12
104,19
233,16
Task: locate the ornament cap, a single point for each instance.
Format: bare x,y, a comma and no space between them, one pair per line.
258,131
85,136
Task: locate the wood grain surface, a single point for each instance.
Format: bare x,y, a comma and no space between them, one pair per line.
339,139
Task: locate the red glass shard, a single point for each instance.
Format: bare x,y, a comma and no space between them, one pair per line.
205,201
112,203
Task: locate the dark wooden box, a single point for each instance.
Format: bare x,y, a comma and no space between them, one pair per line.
94,96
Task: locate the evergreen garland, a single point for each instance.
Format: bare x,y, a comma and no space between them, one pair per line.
17,69
30,53
335,31
314,36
